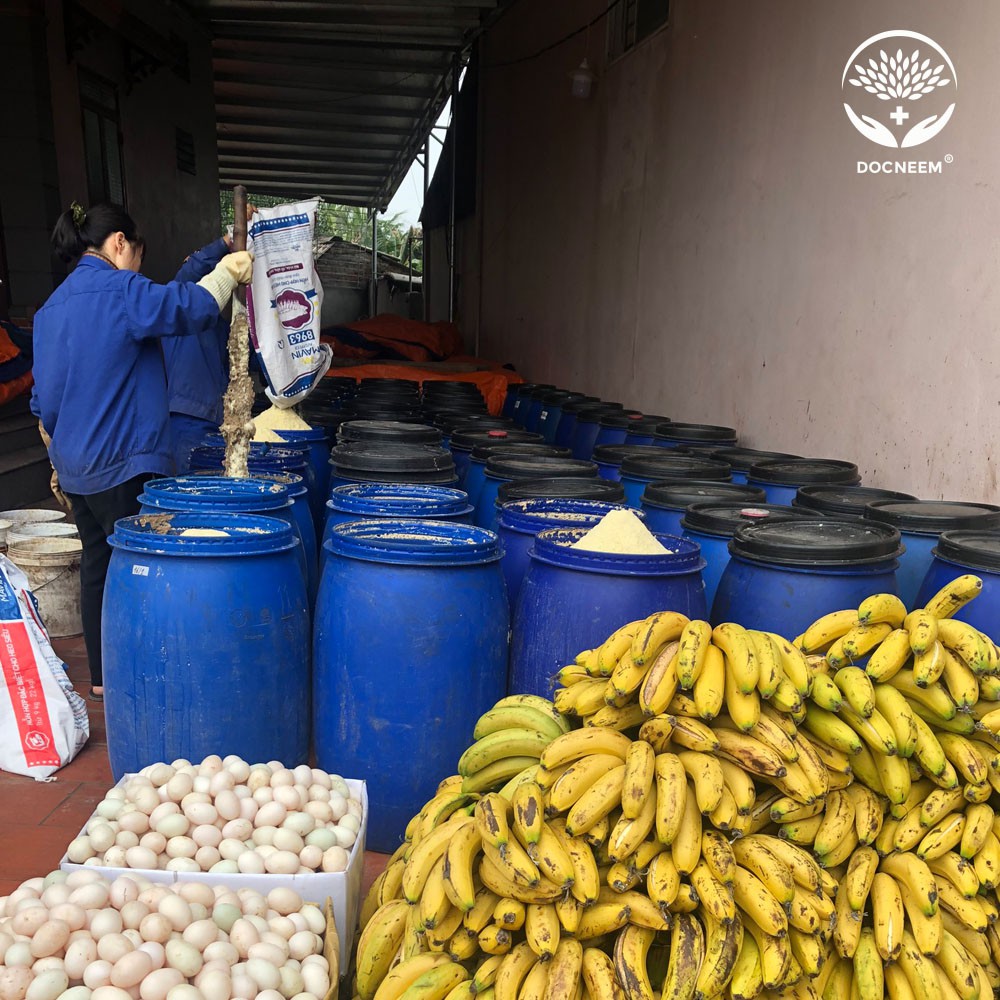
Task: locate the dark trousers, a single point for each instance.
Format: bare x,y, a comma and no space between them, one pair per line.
95,520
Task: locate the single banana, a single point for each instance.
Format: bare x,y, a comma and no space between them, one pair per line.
640,773
529,813
521,716
659,685
687,953
756,856
426,853
694,641
710,686
715,896
510,914
685,847
552,858
582,742
952,597
827,629
542,929
892,654
378,945
514,968
723,943
657,631
882,608
492,820
500,745
691,734
753,897
922,627
869,977
581,775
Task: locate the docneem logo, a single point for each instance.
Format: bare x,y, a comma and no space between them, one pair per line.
899,90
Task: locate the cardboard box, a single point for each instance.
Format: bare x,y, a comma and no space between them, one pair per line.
342,888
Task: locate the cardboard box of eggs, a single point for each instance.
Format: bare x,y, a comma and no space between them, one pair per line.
224,822
78,936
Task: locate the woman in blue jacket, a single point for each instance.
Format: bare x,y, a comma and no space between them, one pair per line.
100,389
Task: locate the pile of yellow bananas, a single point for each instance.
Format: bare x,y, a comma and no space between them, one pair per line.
739,815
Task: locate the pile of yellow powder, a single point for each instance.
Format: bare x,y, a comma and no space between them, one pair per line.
276,418
620,532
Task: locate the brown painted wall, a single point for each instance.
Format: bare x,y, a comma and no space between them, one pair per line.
695,239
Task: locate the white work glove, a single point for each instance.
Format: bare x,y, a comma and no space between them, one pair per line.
234,269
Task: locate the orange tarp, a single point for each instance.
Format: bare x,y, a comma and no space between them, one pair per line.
492,384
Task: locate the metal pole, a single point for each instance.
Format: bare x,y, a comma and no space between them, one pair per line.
373,303
410,260
451,204
425,285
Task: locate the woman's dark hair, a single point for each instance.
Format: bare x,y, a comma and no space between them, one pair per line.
77,230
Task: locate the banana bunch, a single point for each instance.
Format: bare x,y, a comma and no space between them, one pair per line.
509,738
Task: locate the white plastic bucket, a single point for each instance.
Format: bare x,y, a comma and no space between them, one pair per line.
52,566
33,515
5,525
41,529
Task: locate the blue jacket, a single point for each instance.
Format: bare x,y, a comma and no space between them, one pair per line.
198,367
100,387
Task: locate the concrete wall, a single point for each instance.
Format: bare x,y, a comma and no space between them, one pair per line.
695,239
176,211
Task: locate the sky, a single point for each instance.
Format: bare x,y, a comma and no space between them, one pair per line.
409,198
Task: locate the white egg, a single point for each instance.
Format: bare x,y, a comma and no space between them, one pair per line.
109,808
242,935
97,974
158,984
80,849
14,982
259,777
162,811
179,786
223,951
153,841
79,954
106,921
114,857
311,857
206,835
304,943
157,953
238,829
207,857
110,993
176,910
76,993
183,957
48,985
156,927
112,947
227,804
131,969
316,980
292,982
102,837
133,914
231,849
27,920
263,795
201,933
127,839
182,865
264,835
335,859
248,808
182,847
346,837
135,822
123,890
140,857
268,952
314,918
264,974
215,984
287,840
338,807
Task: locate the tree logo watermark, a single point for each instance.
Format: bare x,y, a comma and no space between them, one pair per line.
899,88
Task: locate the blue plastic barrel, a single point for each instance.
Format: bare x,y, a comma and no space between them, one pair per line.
448,424
475,474
319,453
637,472
588,426
674,435
613,427
374,462
572,599
206,641
742,459
567,421
506,468
463,441
961,552
562,488
219,494
641,432
551,412
844,501
520,520
525,395
664,503
410,649
609,457
921,522
510,400
783,575
387,432
394,501
782,478
713,524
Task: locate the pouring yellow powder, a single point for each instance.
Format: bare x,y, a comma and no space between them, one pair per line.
274,418
621,532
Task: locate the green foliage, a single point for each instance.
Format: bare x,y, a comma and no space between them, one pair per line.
349,222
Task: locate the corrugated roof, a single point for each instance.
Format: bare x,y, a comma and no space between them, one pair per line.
332,97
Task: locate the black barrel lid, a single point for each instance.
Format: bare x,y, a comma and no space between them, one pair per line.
975,549
684,492
647,424
447,385
594,412
563,488
805,472
533,389
843,501
931,517
695,432
714,518
559,396
669,465
505,466
620,418
369,456
819,542
583,403
390,431
481,452
742,459
451,422
612,454
469,437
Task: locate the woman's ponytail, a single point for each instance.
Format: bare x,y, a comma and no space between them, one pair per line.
77,230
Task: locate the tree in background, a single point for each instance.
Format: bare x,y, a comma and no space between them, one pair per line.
349,222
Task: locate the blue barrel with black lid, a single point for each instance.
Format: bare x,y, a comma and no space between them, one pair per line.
410,649
525,397
609,457
206,640
638,471
613,427
571,599
743,459
678,435
781,479
374,462
844,501
463,440
783,575
956,554
518,522
394,501
551,412
449,423
567,421
387,432
642,431
588,426
562,488
921,522
664,503
712,525
475,475
507,467
318,442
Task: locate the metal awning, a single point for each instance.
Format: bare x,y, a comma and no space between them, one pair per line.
332,97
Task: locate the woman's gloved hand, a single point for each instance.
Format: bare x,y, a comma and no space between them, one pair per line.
234,269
